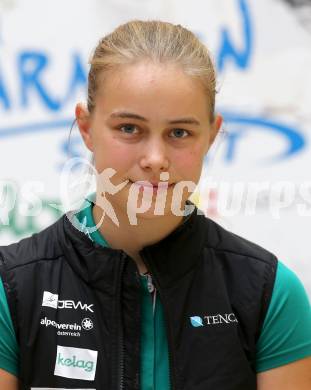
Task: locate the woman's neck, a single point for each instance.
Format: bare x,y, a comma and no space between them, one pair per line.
132,238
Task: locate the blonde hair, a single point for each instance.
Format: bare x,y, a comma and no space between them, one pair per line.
158,41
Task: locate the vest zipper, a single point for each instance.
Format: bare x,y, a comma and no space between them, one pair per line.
172,370
152,290
121,341
121,364
149,283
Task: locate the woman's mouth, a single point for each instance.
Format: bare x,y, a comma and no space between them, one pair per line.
154,186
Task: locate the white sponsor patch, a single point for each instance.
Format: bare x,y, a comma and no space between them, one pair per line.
76,363
50,300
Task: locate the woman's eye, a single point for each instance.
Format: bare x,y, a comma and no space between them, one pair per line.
128,129
179,133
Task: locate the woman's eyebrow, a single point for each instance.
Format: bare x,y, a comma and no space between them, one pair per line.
124,114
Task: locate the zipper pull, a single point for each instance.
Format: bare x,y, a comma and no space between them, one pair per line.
150,284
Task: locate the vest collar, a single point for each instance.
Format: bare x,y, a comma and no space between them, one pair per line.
168,260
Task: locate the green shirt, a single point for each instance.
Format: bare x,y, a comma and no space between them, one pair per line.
285,336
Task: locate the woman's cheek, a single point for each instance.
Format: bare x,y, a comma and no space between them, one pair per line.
189,165
116,156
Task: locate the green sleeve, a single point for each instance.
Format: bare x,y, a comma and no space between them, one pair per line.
9,351
286,332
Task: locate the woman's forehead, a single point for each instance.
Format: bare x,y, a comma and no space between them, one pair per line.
153,87
148,74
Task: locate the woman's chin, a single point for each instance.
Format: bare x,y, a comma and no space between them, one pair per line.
149,211
155,210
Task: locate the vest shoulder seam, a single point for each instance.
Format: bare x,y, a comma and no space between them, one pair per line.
32,261
240,253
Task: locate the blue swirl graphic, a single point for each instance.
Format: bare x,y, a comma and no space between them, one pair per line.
36,127
295,140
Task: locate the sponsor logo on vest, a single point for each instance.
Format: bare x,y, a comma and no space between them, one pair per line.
74,329
215,319
51,300
76,363
196,321
87,324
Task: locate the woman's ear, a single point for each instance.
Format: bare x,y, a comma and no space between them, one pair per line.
216,126
214,130
84,124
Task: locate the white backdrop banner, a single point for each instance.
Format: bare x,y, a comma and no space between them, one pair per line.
256,180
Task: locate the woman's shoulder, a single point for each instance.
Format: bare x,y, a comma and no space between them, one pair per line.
289,294
9,351
43,244
219,239
285,335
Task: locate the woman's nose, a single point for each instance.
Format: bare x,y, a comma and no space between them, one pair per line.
154,156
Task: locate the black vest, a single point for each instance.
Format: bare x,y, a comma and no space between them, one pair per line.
76,307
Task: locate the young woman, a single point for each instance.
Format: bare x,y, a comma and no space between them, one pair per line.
138,289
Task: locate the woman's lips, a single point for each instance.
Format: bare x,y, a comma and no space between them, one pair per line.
154,186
